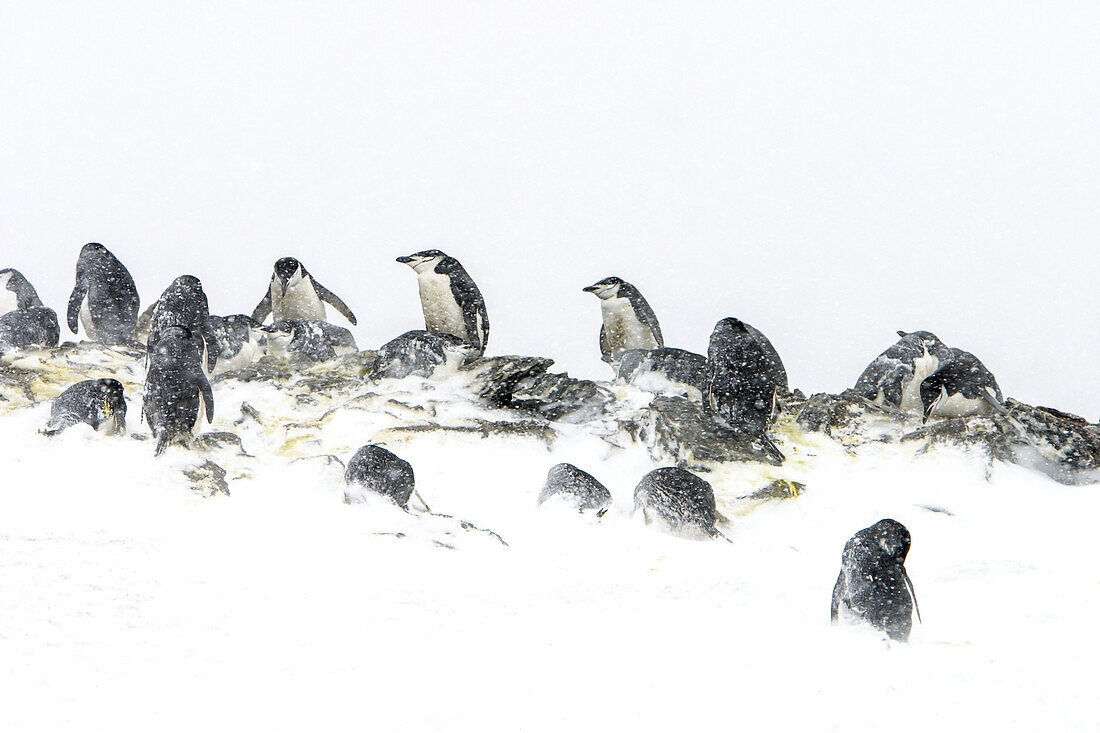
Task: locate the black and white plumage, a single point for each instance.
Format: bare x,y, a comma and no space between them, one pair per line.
104,299
678,501
895,376
240,342
962,386
744,376
27,328
183,303
100,403
628,321
873,587
422,354
449,298
308,341
16,291
375,471
568,484
295,295
664,370
177,391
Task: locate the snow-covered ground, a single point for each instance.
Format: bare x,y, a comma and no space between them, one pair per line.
130,602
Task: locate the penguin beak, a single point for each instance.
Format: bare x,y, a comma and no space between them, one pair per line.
405,260
590,289
928,411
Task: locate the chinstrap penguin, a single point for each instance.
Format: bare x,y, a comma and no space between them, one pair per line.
664,370
422,354
295,295
100,403
308,341
628,321
240,342
449,298
679,502
895,376
873,586
375,471
16,291
183,303
104,298
579,489
960,387
177,392
26,328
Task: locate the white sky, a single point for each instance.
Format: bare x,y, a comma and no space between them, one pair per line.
828,172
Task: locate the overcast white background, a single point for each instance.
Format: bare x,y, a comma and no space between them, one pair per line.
827,172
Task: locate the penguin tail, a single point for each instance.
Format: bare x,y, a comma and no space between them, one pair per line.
715,533
770,449
162,442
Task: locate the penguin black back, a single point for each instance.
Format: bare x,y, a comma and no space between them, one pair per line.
16,291
960,387
183,303
104,298
679,501
375,470
100,403
177,391
578,488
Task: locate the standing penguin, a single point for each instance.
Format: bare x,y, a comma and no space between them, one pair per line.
449,298
628,321
183,303
100,403
176,389
104,297
873,587
960,387
16,291
744,375
894,377
678,501
294,295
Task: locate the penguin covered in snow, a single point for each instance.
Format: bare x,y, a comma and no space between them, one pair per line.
569,484
24,328
960,387
104,299
450,299
664,370
895,376
177,392
240,341
422,354
183,303
628,321
373,470
16,292
873,587
308,341
679,502
295,295
100,403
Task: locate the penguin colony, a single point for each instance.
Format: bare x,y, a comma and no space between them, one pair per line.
739,382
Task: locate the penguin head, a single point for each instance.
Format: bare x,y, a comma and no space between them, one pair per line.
288,271
609,287
112,402
926,340
423,261
187,283
890,539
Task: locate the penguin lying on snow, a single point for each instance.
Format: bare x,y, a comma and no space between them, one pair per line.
183,303
449,297
873,587
895,376
100,403
423,354
16,292
294,295
679,502
308,341
375,471
628,321
960,387
104,297
664,370
177,391
240,341
33,327
568,484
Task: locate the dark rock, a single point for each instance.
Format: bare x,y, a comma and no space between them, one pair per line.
495,379
560,397
683,431
207,478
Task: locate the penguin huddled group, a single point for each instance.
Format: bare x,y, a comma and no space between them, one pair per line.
739,382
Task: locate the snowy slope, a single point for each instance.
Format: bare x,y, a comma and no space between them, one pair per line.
131,602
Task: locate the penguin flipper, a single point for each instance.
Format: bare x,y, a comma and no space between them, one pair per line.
834,608
73,312
263,309
207,398
211,342
329,297
912,592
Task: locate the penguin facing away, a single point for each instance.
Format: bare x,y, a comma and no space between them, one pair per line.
962,386
895,376
16,292
628,321
177,392
449,297
579,489
295,295
679,502
24,328
373,470
183,303
100,403
104,299
873,586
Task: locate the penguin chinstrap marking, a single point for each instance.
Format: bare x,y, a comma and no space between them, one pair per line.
295,295
24,328
183,303
873,587
744,377
628,321
664,371
177,391
104,299
679,502
962,386
240,342
895,376
375,471
16,292
422,354
308,341
450,299
567,484
100,403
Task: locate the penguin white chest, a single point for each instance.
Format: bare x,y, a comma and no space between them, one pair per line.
957,405
622,328
86,318
442,313
299,303
923,366
9,301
